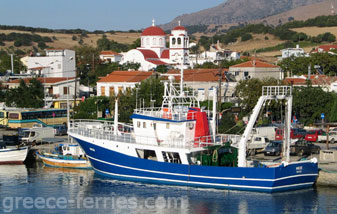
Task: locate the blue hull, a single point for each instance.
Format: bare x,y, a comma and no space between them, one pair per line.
123,167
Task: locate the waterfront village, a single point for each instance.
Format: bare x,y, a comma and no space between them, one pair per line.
228,89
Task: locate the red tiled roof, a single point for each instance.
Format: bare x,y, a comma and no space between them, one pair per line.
326,48
165,54
126,76
108,53
148,54
156,62
38,68
49,80
258,64
54,49
199,75
315,80
179,28
153,31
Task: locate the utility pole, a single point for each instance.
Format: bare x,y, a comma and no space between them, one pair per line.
12,63
75,93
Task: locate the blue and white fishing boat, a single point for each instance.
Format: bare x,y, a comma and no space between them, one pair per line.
176,144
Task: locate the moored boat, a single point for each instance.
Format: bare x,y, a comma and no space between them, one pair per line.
65,156
13,155
176,144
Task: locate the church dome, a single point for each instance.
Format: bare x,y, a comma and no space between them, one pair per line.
153,31
179,28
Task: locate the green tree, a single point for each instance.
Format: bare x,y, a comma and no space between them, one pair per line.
249,91
309,102
88,108
246,37
31,96
5,63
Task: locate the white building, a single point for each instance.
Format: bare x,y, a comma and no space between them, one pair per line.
110,56
202,81
153,50
57,89
118,81
255,69
213,55
296,52
56,63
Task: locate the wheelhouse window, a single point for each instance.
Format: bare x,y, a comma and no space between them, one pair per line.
146,154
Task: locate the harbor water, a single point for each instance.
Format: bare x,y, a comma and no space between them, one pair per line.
39,189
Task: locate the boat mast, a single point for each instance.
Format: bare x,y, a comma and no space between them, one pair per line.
214,112
116,117
182,78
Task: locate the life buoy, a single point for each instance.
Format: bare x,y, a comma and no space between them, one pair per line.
167,113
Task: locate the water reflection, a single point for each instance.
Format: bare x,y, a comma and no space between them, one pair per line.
111,196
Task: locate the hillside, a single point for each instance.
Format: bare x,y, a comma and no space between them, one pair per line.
66,40
299,13
235,11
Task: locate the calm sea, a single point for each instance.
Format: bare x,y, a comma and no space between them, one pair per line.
37,189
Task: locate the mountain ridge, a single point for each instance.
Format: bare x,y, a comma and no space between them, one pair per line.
239,11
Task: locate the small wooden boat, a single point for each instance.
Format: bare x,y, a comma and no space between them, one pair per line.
13,155
65,156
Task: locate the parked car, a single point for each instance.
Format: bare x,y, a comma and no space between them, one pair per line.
315,136
294,133
273,148
60,130
257,143
303,147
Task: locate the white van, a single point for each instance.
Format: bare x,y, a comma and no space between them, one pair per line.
36,135
266,131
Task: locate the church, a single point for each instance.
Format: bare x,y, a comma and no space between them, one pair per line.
153,51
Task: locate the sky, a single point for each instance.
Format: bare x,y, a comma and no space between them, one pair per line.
97,14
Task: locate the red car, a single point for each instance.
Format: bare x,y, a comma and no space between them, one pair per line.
313,135
294,133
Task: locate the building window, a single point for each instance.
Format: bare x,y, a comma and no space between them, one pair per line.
58,66
144,125
154,126
237,73
167,125
111,91
142,42
246,73
179,41
154,41
65,90
120,89
102,91
160,41
138,124
148,41
173,41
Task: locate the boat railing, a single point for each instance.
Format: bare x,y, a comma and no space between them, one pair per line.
104,130
220,139
166,113
276,91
